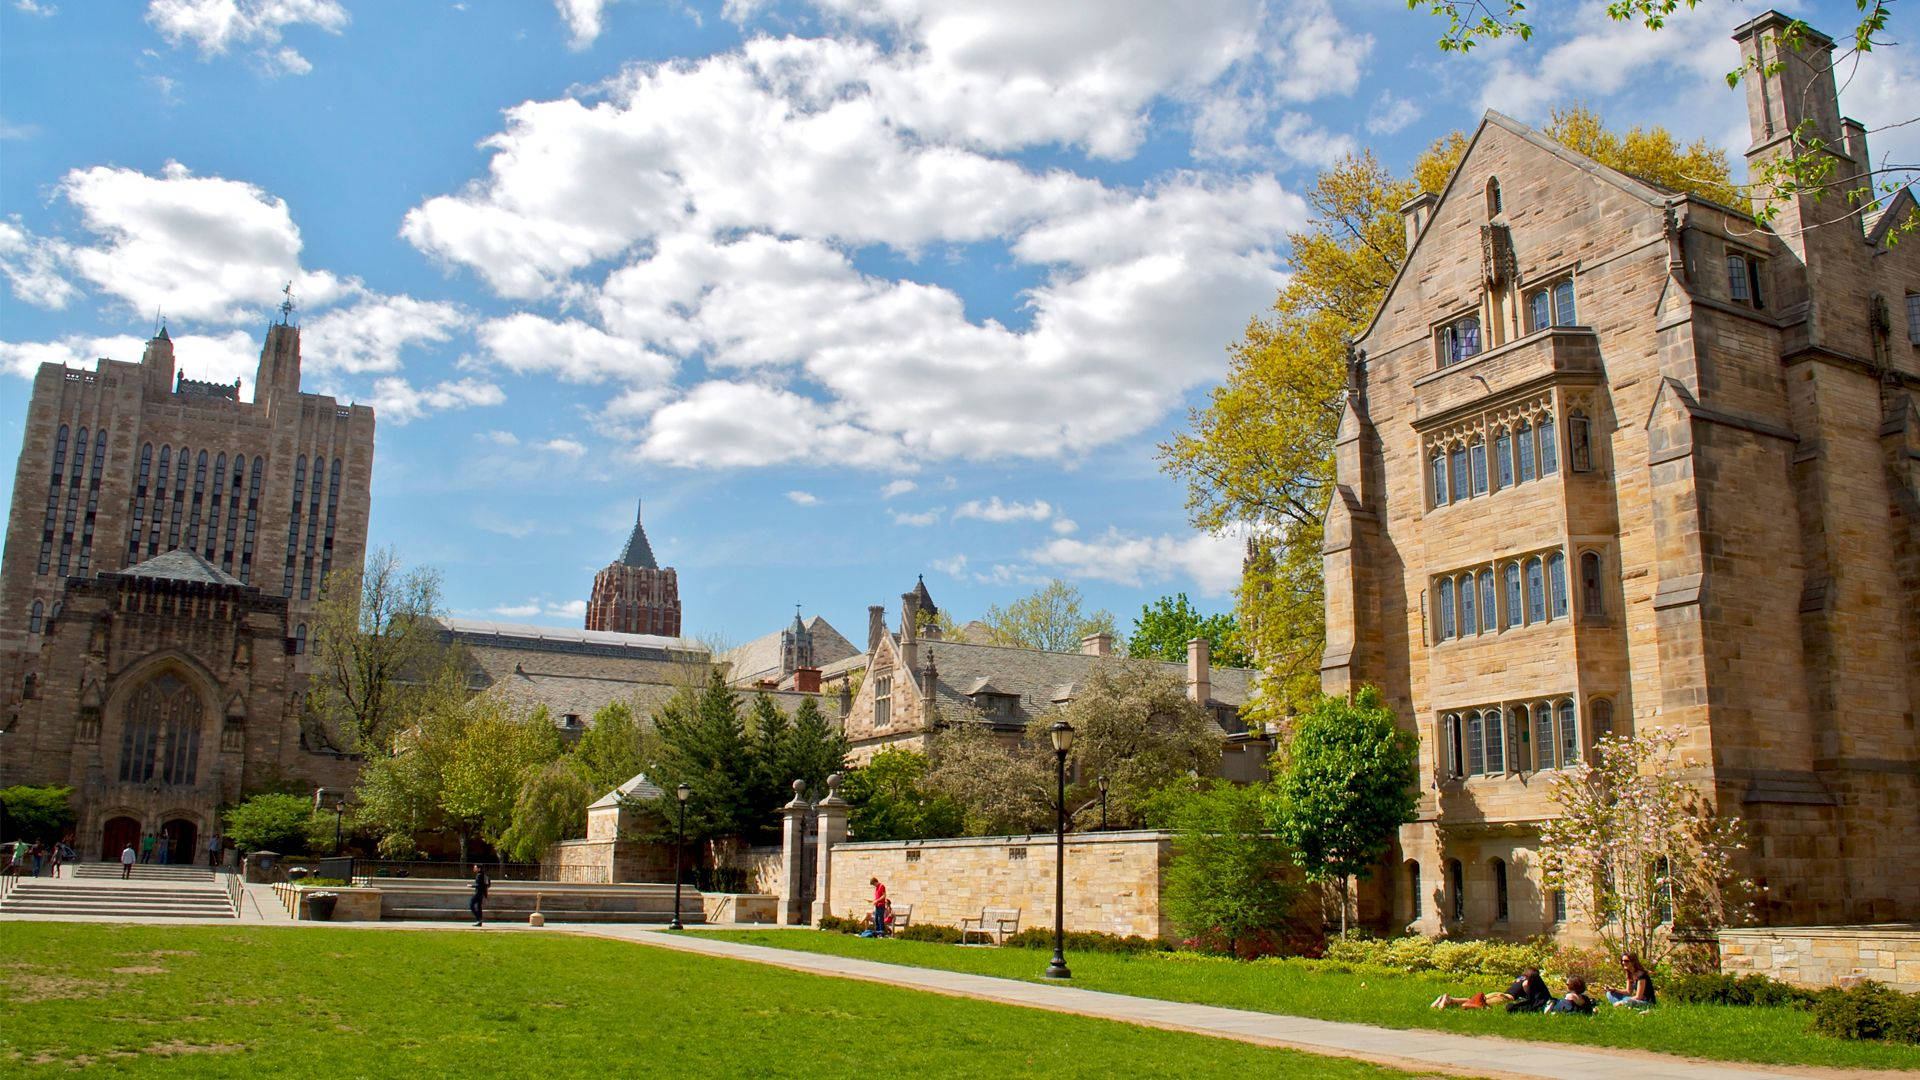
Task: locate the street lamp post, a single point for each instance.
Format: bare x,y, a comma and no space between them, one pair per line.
339,809
683,793
1062,735
1103,803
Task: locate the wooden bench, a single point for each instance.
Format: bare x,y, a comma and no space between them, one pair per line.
902,917
995,923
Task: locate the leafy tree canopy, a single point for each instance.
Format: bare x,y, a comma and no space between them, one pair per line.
270,822
377,649
1229,880
1345,781
38,813
891,800
1048,618
1166,625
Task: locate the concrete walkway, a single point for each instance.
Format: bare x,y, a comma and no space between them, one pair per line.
1423,1051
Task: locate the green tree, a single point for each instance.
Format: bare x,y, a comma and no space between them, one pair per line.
891,800
1344,782
552,803
37,813
1048,618
813,749
1166,625
270,822
1229,879
612,751
377,648
703,743
1003,786
1650,155
493,757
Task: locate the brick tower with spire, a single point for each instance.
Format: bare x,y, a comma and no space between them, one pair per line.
633,595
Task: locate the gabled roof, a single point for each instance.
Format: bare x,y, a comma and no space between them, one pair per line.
637,788
182,565
760,658
638,552
1044,679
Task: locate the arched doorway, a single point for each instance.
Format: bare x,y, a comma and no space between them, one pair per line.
180,834
116,834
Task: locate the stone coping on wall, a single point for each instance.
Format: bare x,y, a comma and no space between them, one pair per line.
1818,956
1104,836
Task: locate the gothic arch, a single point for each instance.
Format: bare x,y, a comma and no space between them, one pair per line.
194,756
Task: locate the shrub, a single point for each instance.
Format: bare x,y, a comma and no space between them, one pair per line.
1035,937
945,935
1494,958
1870,1010
1716,989
840,925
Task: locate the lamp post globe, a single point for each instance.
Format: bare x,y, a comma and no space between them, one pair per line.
1062,735
681,793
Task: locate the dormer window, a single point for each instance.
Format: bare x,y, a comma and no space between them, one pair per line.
1459,340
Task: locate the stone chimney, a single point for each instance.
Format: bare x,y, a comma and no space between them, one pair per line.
1199,671
1789,83
876,626
1097,645
806,680
910,632
1416,213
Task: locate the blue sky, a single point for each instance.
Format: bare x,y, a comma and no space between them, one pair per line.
846,290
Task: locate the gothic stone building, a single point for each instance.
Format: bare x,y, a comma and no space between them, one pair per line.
1613,457
633,595
164,553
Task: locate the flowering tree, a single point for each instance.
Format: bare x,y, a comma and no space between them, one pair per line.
1638,850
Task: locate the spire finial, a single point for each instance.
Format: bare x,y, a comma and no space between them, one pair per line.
286,306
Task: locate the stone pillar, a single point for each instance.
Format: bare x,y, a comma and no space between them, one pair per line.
832,824
793,835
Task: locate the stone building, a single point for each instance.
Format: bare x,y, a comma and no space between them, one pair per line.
633,595
1615,456
789,659
164,552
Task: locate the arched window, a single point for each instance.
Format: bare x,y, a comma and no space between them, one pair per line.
1557,583
1559,905
34,617
1523,438
30,687
1476,761
1493,197
1539,310
1569,735
1488,619
1414,903
1496,737
1514,610
1445,591
1500,890
1737,278
1549,449
1563,313
1543,745
54,611
1477,461
300,639
162,724
1536,592
1457,470
1450,727
1600,717
1459,340
1468,624
1439,466
1591,600
1457,885
1503,458
1579,442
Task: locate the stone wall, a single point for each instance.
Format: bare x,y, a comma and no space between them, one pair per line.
1113,880
604,862
1819,956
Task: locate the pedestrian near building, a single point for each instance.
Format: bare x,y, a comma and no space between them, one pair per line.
146,848
213,850
126,862
163,849
879,907
39,853
63,853
478,904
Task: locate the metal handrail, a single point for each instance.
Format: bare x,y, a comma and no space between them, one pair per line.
234,890
7,881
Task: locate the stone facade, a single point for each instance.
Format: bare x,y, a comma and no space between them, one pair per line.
192,661
1113,882
1614,456
1822,956
633,595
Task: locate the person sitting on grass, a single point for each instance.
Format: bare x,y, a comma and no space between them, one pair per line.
1639,991
1575,1000
1528,993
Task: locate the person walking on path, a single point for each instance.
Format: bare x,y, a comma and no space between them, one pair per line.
146,848
213,851
63,853
126,862
39,854
163,849
478,904
18,865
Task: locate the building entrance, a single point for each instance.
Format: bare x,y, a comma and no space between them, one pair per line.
116,835
180,834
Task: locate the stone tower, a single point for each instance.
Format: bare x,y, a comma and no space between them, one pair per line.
633,595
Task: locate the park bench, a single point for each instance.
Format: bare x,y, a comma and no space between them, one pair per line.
995,923
902,917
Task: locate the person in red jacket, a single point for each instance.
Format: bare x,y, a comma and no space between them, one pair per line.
880,906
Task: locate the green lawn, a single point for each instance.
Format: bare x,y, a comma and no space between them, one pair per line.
227,1001
1772,1036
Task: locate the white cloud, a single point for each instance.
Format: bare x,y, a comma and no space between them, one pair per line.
1211,562
1065,526
724,424
536,607
953,567
568,609
584,18
218,25
29,7
528,344
371,335
31,265
501,438
565,447
205,358
518,611
996,511
802,498
1300,139
399,401
1316,55
917,520
1391,113
898,487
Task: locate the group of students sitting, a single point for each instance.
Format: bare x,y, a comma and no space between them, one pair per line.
1530,993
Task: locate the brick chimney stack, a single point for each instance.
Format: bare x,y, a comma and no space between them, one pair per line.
1199,671
1097,645
806,680
876,626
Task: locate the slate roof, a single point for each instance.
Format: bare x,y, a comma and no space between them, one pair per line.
584,695
1044,679
182,565
525,636
638,551
760,658
639,788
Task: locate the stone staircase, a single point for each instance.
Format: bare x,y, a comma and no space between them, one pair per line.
95,889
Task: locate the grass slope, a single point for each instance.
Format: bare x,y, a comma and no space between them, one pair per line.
312,1001
1725,1033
